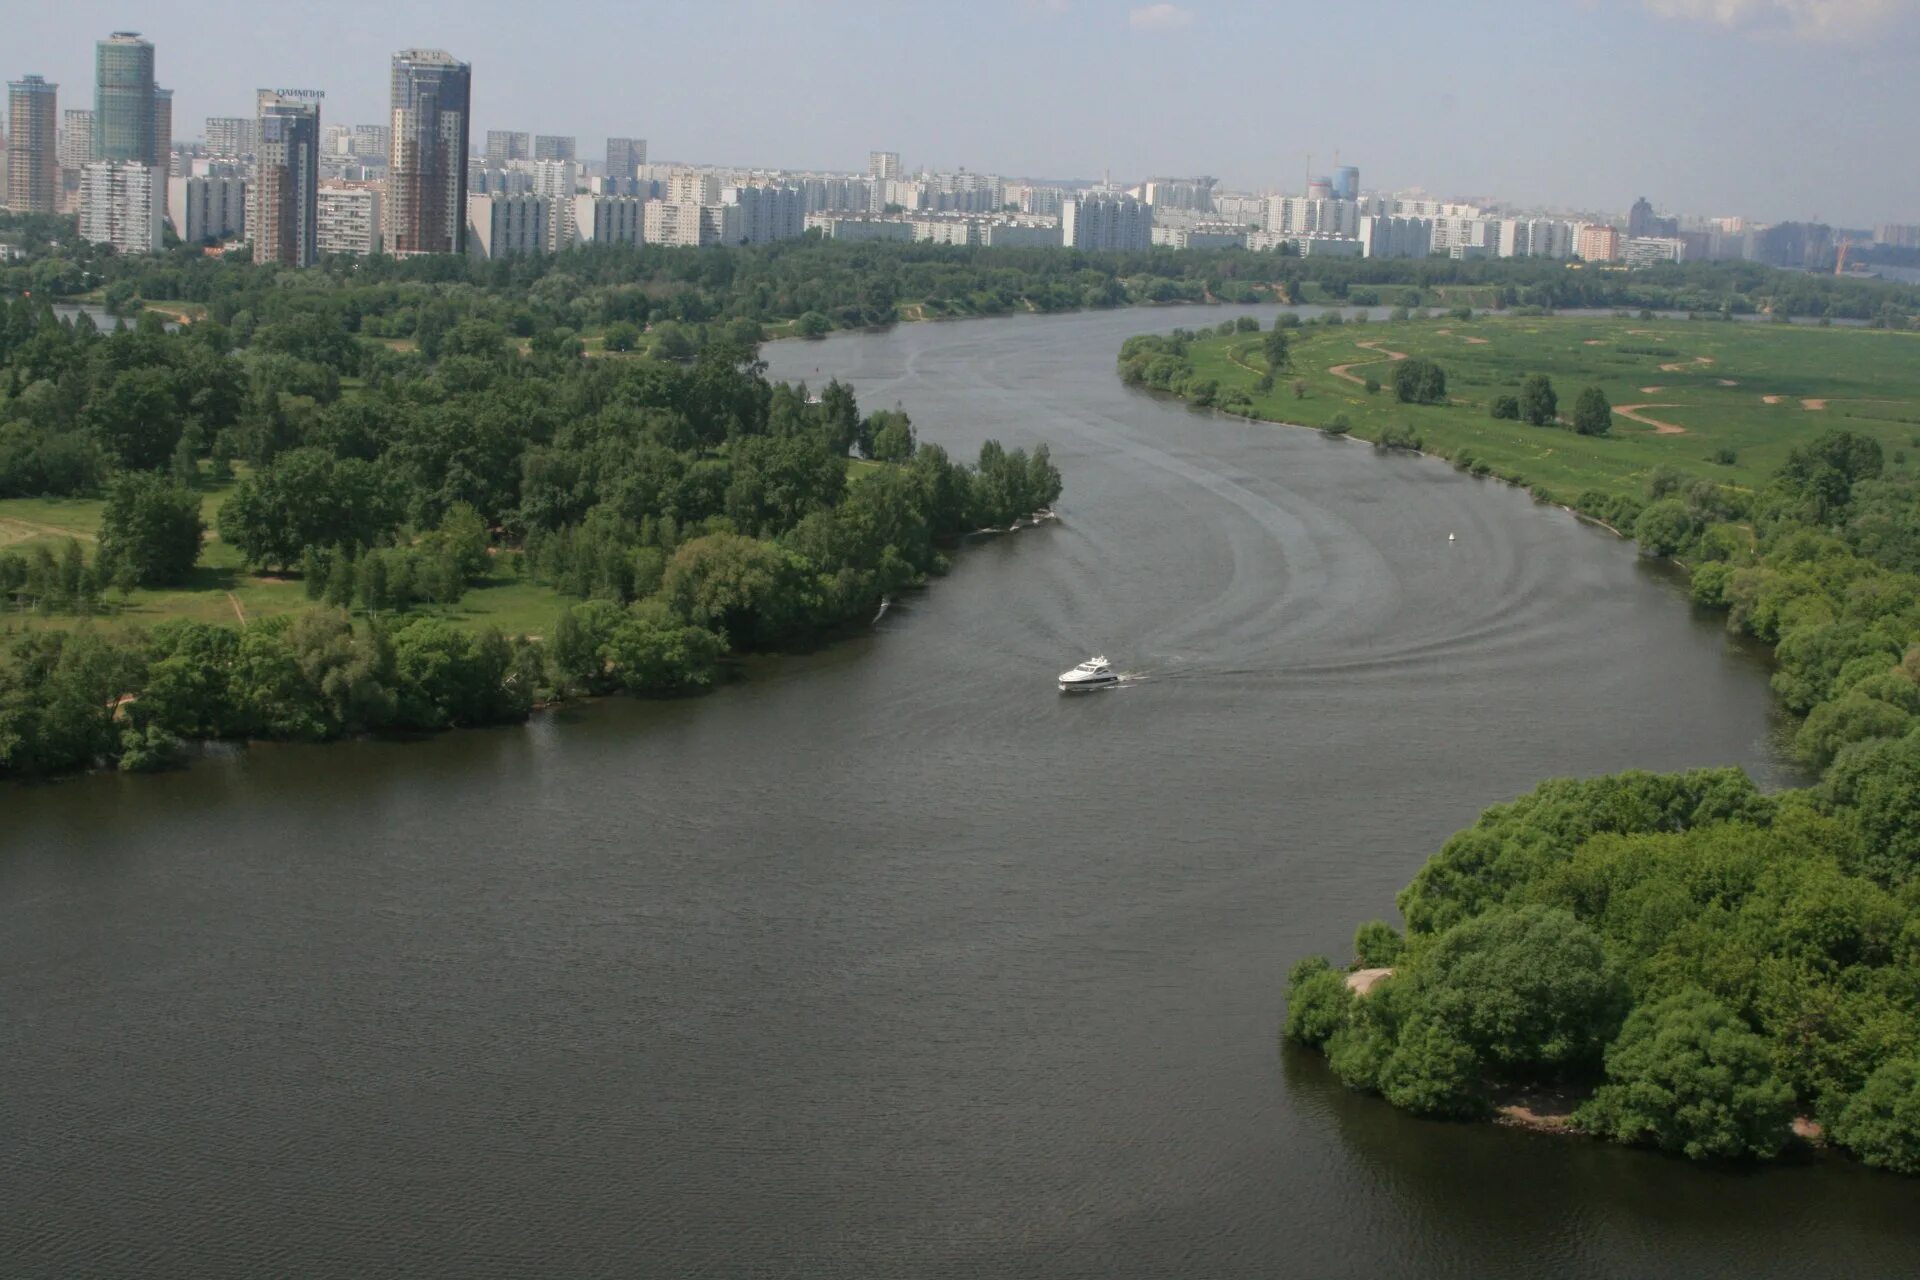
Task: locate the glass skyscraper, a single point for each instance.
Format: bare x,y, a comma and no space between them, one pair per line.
426,210
123,99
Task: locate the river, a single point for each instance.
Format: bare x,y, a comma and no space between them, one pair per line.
888,960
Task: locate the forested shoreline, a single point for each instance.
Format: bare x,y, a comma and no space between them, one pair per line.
689,506
1709,969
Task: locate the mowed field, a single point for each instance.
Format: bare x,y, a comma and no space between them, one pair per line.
223,590
1683,391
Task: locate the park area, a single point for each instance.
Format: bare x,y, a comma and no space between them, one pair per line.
1711,399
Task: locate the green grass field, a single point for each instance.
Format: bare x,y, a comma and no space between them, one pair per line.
1757,390
222,590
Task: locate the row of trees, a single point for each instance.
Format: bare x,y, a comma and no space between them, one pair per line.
1538,404
1706,962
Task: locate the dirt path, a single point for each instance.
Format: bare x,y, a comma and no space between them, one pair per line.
1680,365
1475,342
1815,405
238,612
1771,399
1361,981
1341,370
1651,391
1632,413
13,529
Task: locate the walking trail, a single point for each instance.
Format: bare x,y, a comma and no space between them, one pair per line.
1341,370
1632,413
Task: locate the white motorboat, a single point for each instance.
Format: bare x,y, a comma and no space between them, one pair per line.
1094,673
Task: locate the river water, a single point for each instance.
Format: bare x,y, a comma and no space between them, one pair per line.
888,960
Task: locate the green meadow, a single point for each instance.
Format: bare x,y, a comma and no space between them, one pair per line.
1718,400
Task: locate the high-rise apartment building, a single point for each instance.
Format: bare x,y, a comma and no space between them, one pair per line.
123,203
1598,242
883,166
504,145
372,141
283,222
348,218
693,186
608,219
768,213
163,128
690,225
123,99
426,209
76,137
556,180
552,146
624,156
207,208
507,226
33,169
1106,222
229,137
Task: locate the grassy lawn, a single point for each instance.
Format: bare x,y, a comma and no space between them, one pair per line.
1758,390
222,590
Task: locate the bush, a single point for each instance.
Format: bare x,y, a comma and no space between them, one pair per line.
1318,1001
1372,385
1419,381
1723,457
1398,436
1538,402
1687,1076
813,325
1664,527
1528,989
1506,408
1881,1123
1339,426
1376,945
1431,1071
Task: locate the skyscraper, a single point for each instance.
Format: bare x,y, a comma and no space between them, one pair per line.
504,145
123,99
283,219
76,137
552,146
229,137
883,166
163,128
427,170
624,155
33,171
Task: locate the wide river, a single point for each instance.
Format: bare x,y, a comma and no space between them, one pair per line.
889,960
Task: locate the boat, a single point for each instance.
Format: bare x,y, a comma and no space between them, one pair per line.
1094,673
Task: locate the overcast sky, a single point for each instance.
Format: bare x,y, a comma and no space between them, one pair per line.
1773,108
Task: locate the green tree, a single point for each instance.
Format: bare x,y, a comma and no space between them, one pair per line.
1318,1001
1418,380
1506,408
150,529
1432,1071
1592,415
1881,1123
1377,945
1538,402
621,336
1665,527
1528,989
813,325
1687,1076
1278,349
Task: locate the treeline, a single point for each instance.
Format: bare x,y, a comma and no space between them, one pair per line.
1704,963
711,509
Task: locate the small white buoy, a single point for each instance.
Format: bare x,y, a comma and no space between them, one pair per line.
1449,537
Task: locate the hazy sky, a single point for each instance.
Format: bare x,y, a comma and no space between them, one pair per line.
1774,108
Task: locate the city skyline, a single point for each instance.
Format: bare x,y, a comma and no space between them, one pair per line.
1574,105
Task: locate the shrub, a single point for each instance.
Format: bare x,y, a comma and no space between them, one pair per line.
1723,457
1318,1001
1373,385
1398,436
1339,426
1431,1071
1538,403
1419,381
1376,945
1592,415
1687,1076
1664,527
1881,1123
1506,408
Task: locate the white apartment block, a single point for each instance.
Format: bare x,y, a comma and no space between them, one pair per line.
668,222
841,227
1329,246
883,165
74,146
602,219
693,186
768,213
558,181
349,218
505,226
1241,210
230,137
1382,236
1299,215
124,205
1019,233
1204,235
1106,222
1532,238
1648,251
204,209
836,195
1430,209
1045,201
